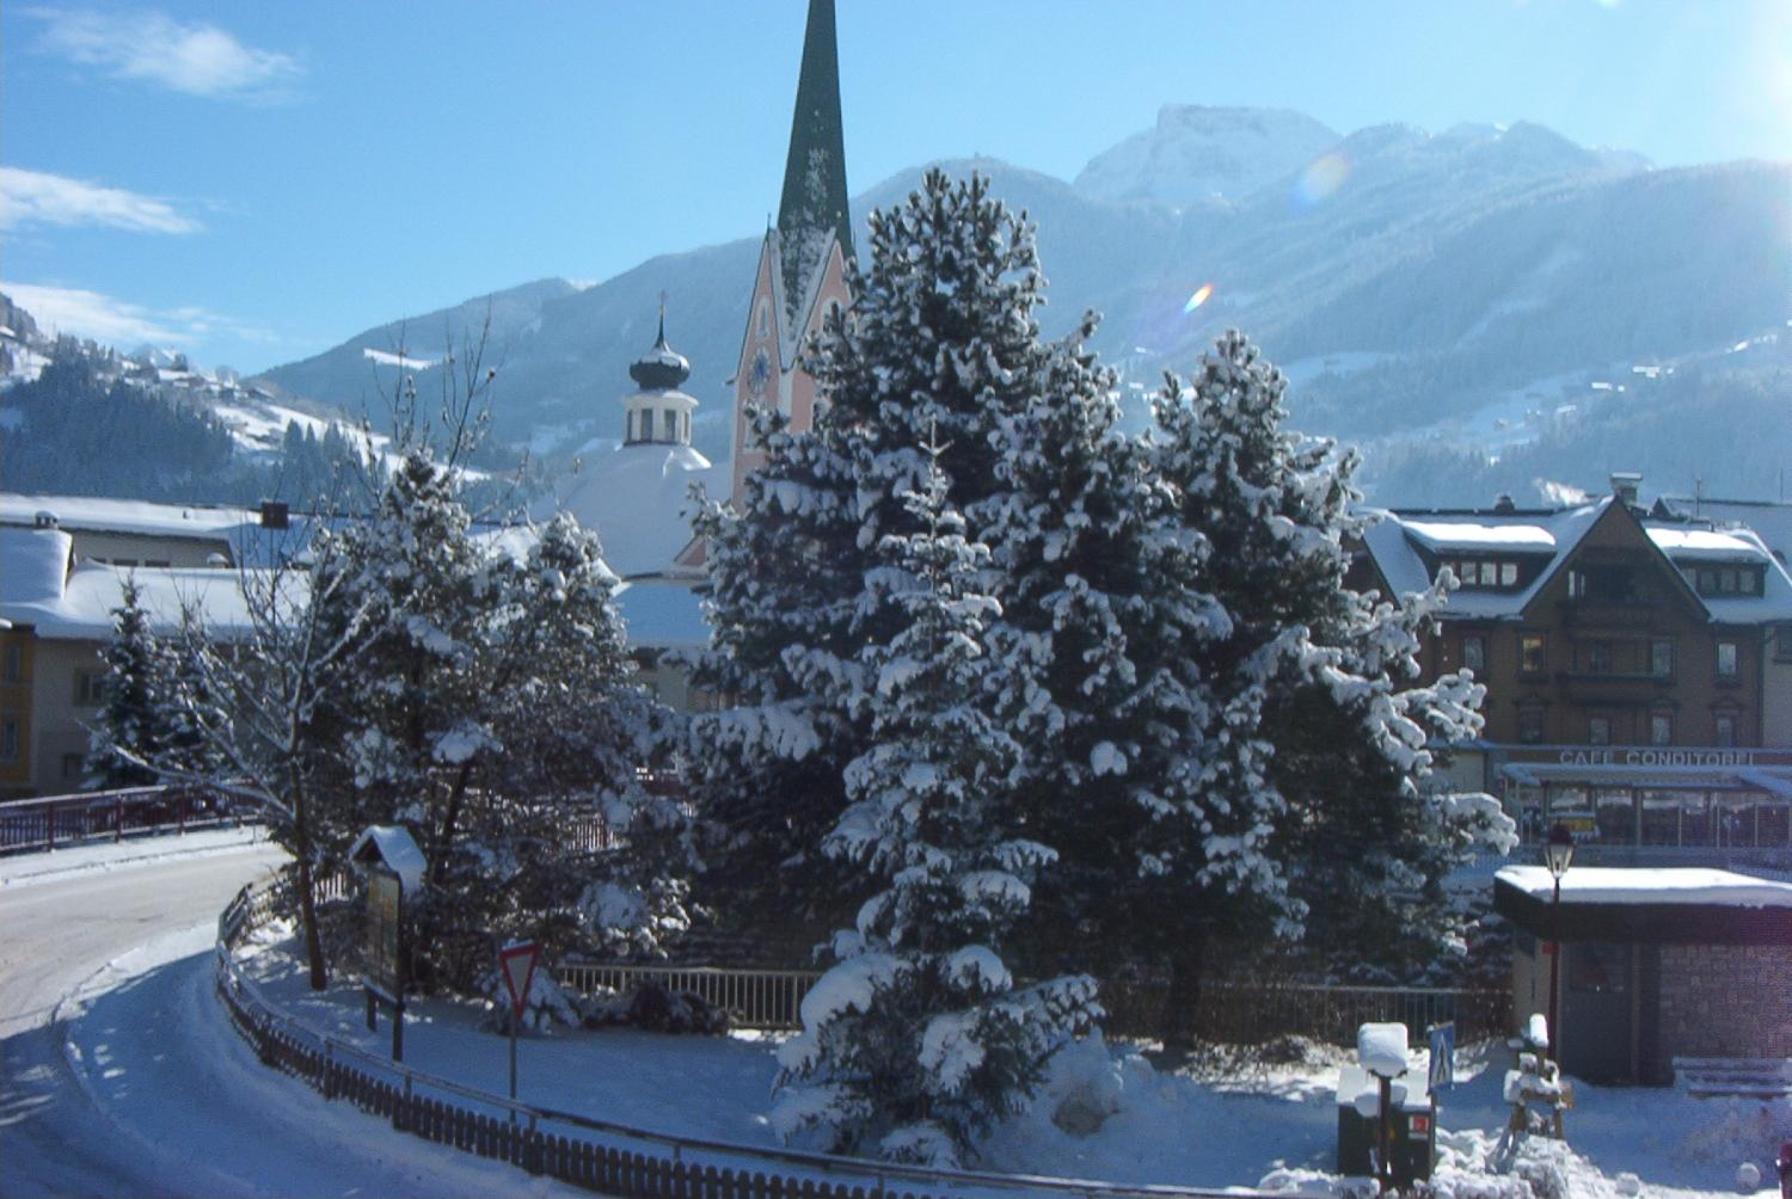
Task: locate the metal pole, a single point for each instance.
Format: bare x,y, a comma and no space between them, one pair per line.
1555,970
515,1020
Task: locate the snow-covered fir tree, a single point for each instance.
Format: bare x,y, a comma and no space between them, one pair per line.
918,1038
1321,751
941,347
132,732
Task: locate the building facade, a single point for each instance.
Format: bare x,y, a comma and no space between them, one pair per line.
1636,668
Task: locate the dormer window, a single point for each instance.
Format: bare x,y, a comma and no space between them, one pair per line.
1484,574
1725,580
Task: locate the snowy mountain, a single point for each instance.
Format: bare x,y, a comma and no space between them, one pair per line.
1195,154
1416,284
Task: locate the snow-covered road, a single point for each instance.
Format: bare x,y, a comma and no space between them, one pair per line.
119,1074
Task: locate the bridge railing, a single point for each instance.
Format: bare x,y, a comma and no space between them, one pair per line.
57,821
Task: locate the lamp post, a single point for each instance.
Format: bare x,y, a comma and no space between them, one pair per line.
1558,852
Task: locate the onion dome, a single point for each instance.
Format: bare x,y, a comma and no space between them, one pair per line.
662,368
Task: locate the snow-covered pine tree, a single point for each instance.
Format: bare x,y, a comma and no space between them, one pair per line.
132,734
1100,637
940,341
1321,755
918,1038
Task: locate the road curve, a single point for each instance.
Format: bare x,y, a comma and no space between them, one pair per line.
137,1085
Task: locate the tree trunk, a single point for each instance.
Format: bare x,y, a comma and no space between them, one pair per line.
301,838
1187,966
438,864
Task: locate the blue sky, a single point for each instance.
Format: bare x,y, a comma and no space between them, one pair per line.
257,182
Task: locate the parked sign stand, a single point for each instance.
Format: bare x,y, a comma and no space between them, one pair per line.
384,980
516,962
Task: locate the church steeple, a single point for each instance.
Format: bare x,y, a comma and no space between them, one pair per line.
814,203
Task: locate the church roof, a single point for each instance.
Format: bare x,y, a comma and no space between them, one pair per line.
813,210
662,368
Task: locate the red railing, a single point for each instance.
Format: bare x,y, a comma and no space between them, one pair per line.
54,821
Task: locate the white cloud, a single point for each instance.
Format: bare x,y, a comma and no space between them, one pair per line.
198,59
116,322
39,198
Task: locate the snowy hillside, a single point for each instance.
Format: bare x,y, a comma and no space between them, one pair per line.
1195,154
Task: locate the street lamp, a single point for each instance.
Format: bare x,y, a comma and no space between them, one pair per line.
1558,852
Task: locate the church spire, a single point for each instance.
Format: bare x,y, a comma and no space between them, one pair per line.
813,206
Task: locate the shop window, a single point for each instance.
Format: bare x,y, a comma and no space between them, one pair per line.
1661,729
1614,816
1661,818
1773,824
1661,658
1474,652
1599,730
1725,731
1530,724
1533,653
1726,659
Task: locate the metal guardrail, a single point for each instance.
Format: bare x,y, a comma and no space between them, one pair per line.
767,999
45,823
601,1155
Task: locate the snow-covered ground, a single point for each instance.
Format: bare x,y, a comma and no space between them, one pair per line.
1273,1125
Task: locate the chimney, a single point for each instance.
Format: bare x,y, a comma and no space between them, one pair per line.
45,519
1625,484
273,514
1504,504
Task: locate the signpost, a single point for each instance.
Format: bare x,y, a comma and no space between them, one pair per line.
516,962
1443,1056
384,981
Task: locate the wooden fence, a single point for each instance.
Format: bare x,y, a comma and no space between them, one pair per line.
598,1155
61,820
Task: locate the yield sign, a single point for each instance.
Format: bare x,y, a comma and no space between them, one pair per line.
516,962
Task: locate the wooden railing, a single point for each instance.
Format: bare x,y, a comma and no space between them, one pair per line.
599,1155
60,820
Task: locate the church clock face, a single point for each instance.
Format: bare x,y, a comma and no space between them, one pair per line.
760,373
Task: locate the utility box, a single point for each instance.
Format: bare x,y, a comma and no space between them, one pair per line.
1413,1140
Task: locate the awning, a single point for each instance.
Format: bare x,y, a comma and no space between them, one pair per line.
1774,781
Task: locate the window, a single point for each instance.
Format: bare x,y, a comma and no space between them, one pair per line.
9,740
1474,652
1533,653
72,765
1661,658
1661,729
1725,730
646,424
12,663
669,425
1530,724
1577,584
763,319
1726,659
1508,574
1599,657
90,688
1490,574
156,563
1727,582
1599,730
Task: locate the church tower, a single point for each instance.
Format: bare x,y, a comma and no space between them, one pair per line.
802,262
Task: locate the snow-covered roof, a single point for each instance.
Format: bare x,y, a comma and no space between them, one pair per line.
38,588
1706,544
1399,542
635,497
1442,536
96,514
662,615
1665,885
398,849
1770,520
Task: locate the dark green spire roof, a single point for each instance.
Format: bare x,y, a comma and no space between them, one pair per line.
814,201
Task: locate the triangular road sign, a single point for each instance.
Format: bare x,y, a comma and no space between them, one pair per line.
516,962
